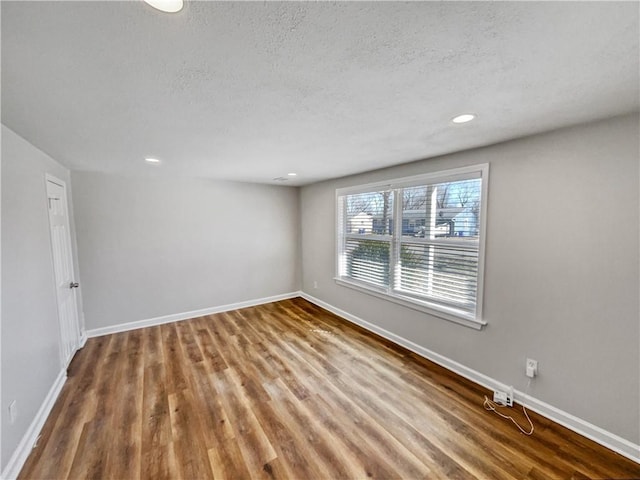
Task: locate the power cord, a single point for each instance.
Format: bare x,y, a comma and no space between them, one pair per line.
492,406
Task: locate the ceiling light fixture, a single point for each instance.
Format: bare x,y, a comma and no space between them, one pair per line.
152,160
168,6
464,118
292,174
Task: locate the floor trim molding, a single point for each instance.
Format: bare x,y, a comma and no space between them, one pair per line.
599,435
151,322
22,451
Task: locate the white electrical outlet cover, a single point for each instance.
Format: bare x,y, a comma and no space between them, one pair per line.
501,398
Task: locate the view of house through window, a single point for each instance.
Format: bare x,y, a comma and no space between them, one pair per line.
418,239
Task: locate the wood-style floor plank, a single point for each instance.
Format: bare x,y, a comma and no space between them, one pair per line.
288,391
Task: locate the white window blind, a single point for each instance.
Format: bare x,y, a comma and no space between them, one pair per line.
417,240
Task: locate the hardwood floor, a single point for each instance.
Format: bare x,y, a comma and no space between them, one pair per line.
288,390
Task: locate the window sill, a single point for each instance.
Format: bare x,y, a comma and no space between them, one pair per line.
449,314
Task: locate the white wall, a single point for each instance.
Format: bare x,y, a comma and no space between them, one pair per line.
151,247
30,329
562,274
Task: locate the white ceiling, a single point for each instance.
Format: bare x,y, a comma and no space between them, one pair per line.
251,91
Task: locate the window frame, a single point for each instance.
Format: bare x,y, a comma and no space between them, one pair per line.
390,293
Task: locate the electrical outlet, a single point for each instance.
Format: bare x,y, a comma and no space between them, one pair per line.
531,368
13,412
500,397
315,284
504,398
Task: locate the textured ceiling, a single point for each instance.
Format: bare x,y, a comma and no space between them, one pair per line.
251,91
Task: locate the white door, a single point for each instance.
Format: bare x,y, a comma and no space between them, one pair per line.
63,269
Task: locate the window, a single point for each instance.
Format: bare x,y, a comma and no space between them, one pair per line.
417,241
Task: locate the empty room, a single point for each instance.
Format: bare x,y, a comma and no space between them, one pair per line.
320,240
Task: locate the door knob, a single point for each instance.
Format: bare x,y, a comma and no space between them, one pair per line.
74,285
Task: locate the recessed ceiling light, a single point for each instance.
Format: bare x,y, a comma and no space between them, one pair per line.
168,6
292,174
464,118
152,160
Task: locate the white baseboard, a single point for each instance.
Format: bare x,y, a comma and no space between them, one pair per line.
150,322
16,462
607,439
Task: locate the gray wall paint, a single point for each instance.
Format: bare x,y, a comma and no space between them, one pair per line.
30,329
566,294
150,247
561,280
